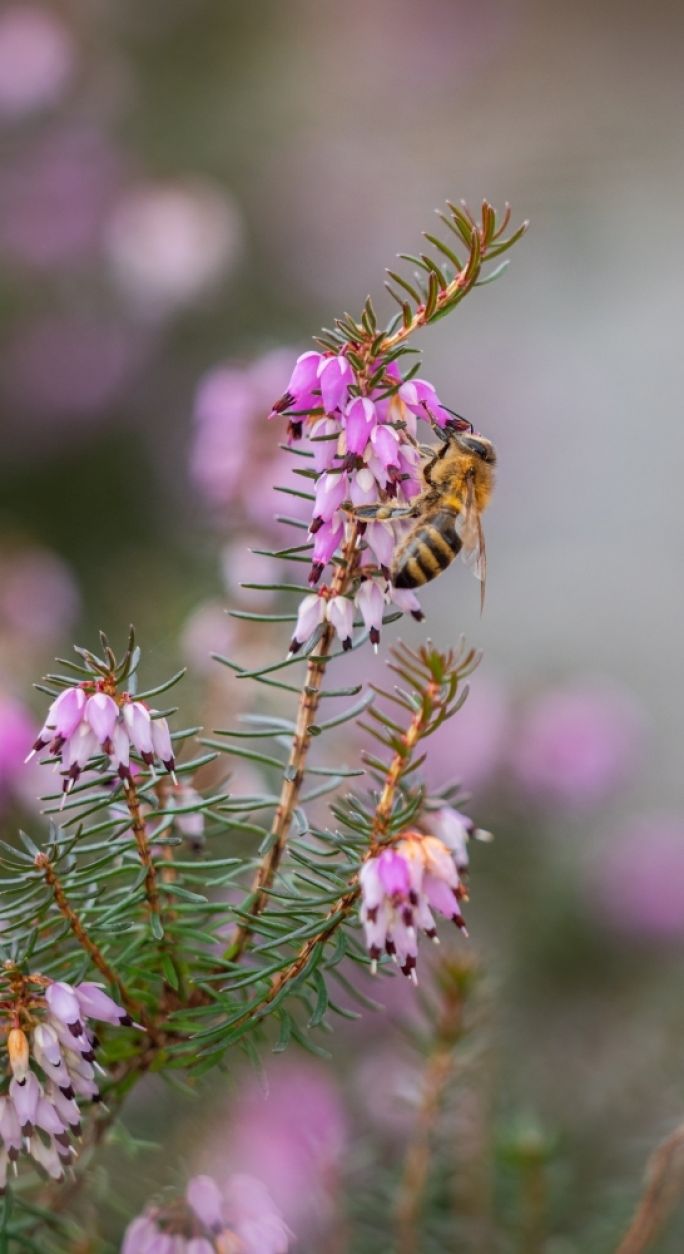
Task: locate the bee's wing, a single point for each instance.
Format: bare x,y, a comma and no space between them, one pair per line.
469,527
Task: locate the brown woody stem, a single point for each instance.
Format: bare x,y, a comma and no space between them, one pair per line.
293,777
139,830
663,1190
84,939
438,1072
379,833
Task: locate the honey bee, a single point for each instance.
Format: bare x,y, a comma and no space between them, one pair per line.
446,516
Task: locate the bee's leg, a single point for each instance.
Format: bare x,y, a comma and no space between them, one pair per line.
381,513
429,466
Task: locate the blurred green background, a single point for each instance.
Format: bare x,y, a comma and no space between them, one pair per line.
195,184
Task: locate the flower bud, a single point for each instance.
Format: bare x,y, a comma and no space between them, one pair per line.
18,1052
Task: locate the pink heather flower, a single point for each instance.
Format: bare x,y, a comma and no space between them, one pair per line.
101,713
359,423
331,491
161,741
138,724
455,830
311,613
399,888
326,542
96,1004
363,490
380,540
63,1046
241,1217
324,450
364,453
370,601
334,377
420,397
78,727
385,442
576,746
204,1196
407,601
340,612
304,377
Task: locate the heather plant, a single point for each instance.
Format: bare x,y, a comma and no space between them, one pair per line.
158,926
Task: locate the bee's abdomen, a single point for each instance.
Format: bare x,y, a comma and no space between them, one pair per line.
426,551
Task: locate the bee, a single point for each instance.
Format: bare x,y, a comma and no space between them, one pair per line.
446,516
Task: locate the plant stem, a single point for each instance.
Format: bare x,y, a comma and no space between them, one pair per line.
84,939
293,776
417,1161
380,830
139,830
663,1190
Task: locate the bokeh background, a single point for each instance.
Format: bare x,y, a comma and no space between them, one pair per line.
190,188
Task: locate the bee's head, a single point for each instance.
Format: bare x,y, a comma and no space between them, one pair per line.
479,445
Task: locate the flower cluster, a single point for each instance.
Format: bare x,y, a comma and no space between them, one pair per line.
242,1218
364,448
93,718
406,881
51,1053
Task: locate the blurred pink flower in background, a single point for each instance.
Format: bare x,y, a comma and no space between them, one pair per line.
207,630
54,196
17,730
168,243
576,746
37,59
235,459
39,598
70,367
470,746
637,880
292,1136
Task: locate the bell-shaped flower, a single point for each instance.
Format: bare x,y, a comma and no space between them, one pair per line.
63,1004
25,1095
331,490
204,1197
370,601
326,542
310,614
360,419
101,714
304,376
381,539
334,376
139,727
407,601
363,489
120,756
324,439
340,613
66,712
385,442
95,1003
420,397
161,741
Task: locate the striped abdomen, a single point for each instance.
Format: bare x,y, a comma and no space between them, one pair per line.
426,551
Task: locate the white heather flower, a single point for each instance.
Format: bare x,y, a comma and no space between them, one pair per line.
340,614
310,614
